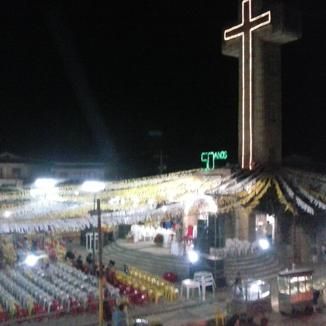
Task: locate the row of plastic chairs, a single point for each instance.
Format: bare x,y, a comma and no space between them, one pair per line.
24,299
77,294
62,291
135,295
155,292
26,292
8,302
76,273
153,281
146,276
55,272
40,296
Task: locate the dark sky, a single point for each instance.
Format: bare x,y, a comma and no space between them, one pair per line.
88,81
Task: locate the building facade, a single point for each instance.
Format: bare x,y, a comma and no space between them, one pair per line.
16,170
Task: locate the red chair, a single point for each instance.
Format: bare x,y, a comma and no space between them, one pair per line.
130,290
122,287
74,307
38,310
92,305
133,296
141,298
170,277
190,232
3,316
56,308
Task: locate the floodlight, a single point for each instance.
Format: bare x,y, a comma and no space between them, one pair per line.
193,256
254,288
31,259
7,214
93,186
45,183
45,188
264,244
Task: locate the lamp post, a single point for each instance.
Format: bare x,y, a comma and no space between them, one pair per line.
99,227
96,187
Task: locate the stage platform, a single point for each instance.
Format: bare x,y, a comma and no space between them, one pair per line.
146,256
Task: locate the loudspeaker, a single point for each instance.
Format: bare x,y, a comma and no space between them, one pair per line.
123,230
216,237
202,236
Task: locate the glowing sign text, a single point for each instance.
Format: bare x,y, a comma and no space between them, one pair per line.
209,158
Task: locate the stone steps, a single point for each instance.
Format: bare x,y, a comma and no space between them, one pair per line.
155,264
263,266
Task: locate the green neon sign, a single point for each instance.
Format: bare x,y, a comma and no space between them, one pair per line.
209,158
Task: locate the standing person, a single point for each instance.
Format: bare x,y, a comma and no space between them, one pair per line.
26,244
119,317
111,272
107,310
237,286
269,232
260,232
89,261
79,263
315,297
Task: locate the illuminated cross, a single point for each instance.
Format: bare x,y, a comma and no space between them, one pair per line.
256,42
244,30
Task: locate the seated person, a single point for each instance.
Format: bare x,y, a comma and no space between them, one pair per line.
79,263
89,259
110,276
70,255
34,245
112,264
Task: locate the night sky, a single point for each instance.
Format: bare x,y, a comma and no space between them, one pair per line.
89,81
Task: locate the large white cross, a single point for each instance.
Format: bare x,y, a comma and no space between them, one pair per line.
244,30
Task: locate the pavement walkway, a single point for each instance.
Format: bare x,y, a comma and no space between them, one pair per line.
196,312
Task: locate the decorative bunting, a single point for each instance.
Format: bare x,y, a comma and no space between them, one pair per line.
154,198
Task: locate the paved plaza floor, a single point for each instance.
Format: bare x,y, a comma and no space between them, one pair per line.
197,312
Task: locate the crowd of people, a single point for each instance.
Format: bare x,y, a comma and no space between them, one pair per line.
114,314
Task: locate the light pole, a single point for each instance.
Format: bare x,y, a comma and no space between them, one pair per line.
99,227
96,187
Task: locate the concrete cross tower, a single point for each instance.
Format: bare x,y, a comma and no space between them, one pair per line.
257,41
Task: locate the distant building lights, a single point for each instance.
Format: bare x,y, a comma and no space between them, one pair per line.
93,186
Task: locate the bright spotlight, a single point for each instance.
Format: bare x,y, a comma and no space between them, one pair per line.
7,214
93,186
254,288
193,256
45,188
264,244
45,183
31,260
